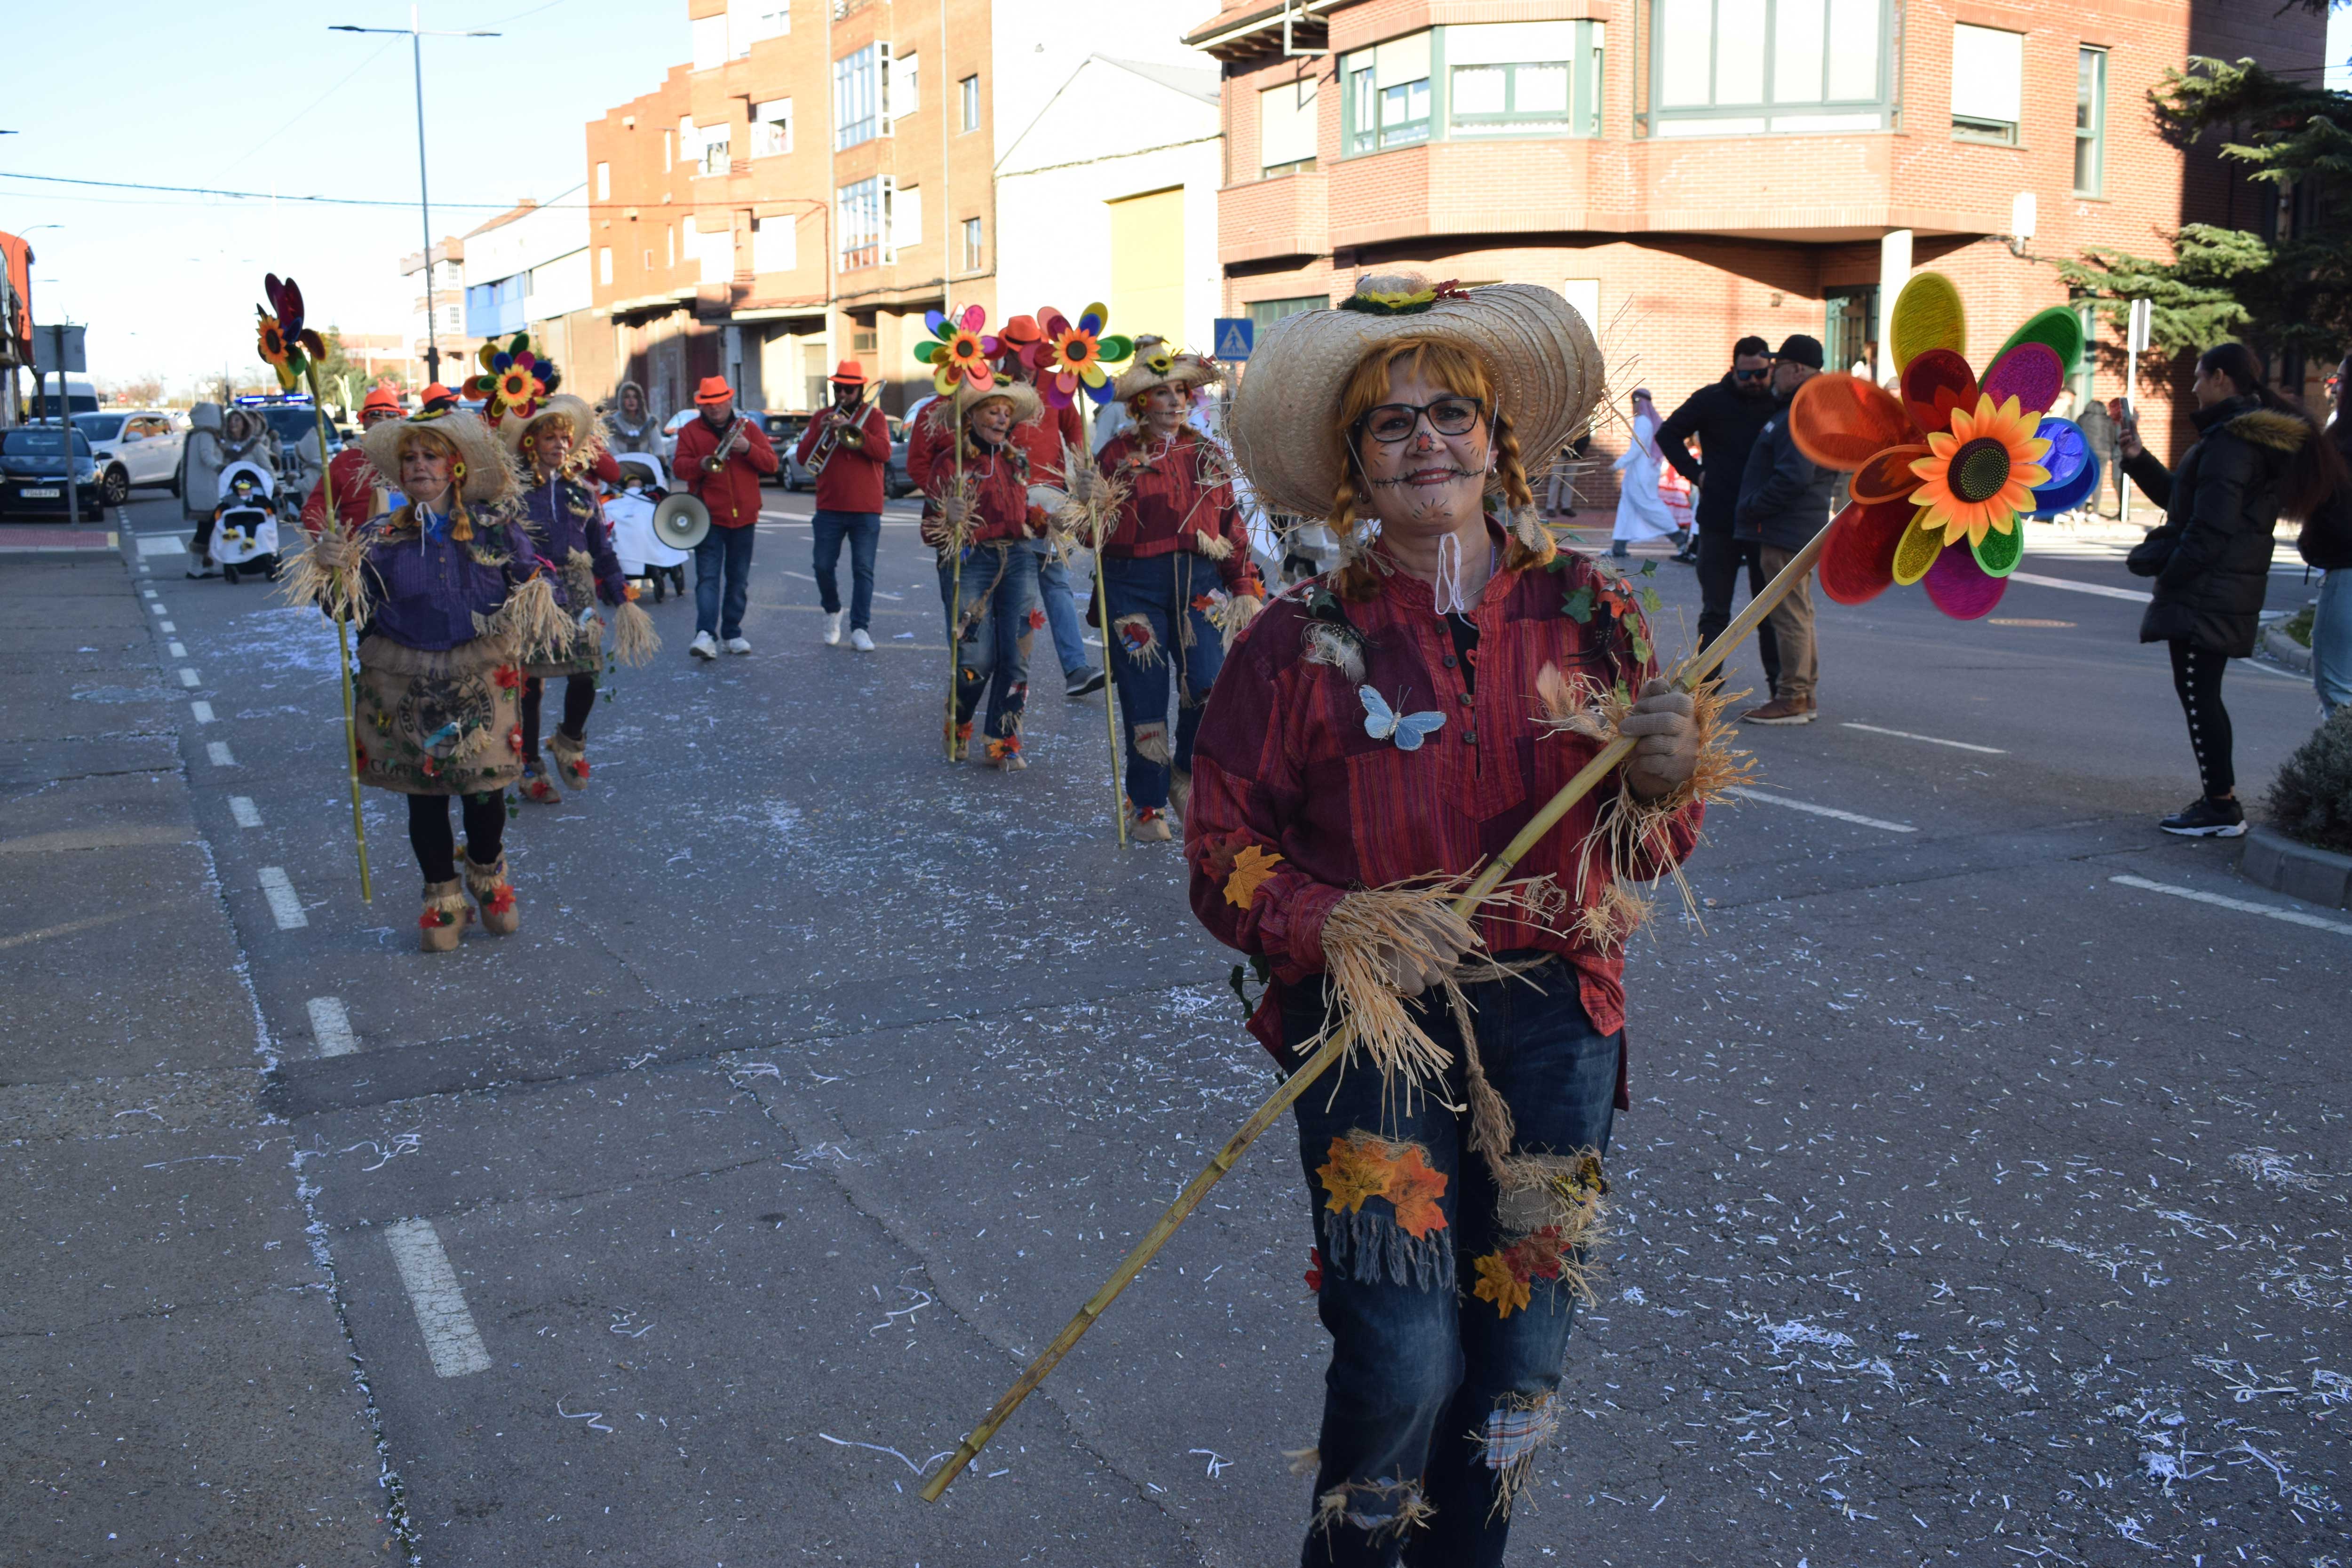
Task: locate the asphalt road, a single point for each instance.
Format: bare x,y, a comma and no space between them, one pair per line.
1984,1197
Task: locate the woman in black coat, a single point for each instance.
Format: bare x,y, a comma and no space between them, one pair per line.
2257,457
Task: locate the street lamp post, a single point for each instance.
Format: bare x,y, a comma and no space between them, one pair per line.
417,36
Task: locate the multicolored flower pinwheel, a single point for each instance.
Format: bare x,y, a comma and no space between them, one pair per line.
960,352
1073,356
514,379
1945,475
285,343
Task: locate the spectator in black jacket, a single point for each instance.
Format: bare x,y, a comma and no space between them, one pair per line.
2256,457
2326,545
1725,416
1784,500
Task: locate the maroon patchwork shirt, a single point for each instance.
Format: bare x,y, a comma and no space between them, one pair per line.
1283,767
1170,507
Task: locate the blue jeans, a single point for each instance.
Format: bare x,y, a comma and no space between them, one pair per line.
997,615
864,532
2331,640
729,549
1172,639
1441,1387
1061,612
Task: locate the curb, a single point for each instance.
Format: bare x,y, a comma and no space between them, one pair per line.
2281,864
2286,650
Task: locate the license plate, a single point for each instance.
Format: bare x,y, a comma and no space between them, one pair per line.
42,492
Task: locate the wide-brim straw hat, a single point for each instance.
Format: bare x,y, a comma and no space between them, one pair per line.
1026,404
574,411
1149,372
490,476
1285,420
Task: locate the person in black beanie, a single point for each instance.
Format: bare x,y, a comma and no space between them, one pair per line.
1785,499
1725,416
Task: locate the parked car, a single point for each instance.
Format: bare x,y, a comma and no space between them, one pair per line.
784,432
32,472
138,447
895,481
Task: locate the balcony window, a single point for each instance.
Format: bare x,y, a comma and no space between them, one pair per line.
603,181
969,89
716,145
772,128
1387,95
1724,67
1286,128
972,253
1264,314
1523,79
2090,121
859,209
775,244
861,96
907,217
906,85
1988,84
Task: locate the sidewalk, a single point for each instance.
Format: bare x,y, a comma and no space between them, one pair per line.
177,1384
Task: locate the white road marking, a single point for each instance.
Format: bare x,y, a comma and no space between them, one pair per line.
2258,668
177,649
241,807
1806,805
188,676
203,711
158,608
148,592
450,1337
2245,906
331,1027
167,628
160,544
2101,589
284,903
218,751
1931,740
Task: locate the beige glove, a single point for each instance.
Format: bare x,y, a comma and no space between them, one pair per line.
1082,481
335,550
955,510
1666,740
1410,973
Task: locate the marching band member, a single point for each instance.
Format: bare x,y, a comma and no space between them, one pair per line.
1177,519
719,460
848,501
358,489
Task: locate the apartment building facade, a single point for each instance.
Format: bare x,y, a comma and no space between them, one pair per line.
824,171
440,327
528,272
1690,171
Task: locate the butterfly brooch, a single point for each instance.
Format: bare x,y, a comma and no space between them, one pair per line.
1382,722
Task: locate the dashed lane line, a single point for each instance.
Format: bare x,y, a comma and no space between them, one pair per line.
2245,906
1806,805
177,649
450,1337
241,807
157,606
218,751
167,628
2101,589
331,1027
284,903
147,592
188,677
1931,740
203,711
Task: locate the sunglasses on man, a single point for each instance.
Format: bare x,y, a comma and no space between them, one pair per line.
1751,374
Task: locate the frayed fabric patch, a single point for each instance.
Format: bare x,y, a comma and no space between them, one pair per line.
1381,1509
1517,1431
1405,1245
1371,1247
1135,637
1152,743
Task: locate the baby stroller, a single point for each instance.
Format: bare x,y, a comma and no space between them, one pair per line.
245,525
629,512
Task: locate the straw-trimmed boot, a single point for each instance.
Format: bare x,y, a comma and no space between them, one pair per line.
491,890
536,787
1180,794
1151,825
959,739
445,919
571,758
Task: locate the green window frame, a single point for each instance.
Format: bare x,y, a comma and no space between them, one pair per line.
1558,95
1264,314
1725,67
2090,121
1390,97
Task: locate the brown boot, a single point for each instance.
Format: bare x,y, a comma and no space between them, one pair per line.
445,919
1783,710
1151,825
570,760
536,788
491,890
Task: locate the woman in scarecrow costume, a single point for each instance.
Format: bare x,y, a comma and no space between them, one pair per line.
555,443
1376,734
1177,580
978,517
451,600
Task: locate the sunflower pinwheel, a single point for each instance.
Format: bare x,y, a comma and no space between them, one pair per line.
1945,475
514,379
1071,356
284,343
959,353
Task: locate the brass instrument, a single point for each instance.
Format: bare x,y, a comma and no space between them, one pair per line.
837,419
717,462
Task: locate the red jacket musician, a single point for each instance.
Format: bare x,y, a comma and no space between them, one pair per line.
848,448
357,488
721,458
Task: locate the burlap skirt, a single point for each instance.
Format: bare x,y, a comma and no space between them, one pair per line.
438,723
587,649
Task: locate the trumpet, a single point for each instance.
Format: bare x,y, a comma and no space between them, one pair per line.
837,419
717,462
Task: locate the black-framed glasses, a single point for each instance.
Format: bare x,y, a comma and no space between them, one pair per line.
1389,423
1739,374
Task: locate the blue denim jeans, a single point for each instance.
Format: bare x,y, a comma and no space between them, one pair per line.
864,532
2331,640
997,615
1446,1345
1061,612
728,549
1174,648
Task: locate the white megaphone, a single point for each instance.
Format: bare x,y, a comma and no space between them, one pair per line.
681,521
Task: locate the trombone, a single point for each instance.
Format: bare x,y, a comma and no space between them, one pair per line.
837,419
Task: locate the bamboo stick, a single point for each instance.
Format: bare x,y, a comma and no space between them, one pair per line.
330,519
1110,686
1693,671
955,590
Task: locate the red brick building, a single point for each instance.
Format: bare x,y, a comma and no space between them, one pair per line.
1689,171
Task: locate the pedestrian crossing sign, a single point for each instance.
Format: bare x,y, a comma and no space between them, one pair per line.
1235,335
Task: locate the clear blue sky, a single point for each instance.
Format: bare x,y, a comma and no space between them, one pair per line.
242,95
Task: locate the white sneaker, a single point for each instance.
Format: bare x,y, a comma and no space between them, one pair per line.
859,640
704,645
832,629
737,645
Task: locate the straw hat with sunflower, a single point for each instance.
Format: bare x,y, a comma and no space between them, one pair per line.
1159,365
486,475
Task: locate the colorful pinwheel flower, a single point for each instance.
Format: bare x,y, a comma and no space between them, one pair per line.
513,380
1073,356
1945,475
284,344
959,353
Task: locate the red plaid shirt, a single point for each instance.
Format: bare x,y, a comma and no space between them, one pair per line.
1284,765
1169,508
999,479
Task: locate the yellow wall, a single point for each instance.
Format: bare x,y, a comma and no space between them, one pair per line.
1147,266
